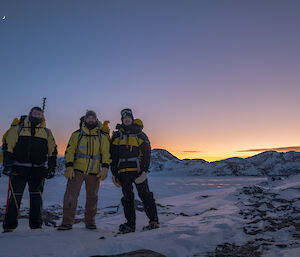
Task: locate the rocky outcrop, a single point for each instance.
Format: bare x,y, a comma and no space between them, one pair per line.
139,253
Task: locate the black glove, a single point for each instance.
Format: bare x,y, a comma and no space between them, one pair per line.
8,171
50,174
114,171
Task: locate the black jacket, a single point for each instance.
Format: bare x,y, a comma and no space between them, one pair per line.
127,144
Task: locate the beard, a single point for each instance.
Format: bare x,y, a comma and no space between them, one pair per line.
91,125
35,121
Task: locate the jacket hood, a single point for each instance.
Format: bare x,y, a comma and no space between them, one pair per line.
139,123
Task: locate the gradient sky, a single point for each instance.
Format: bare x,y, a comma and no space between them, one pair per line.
210,79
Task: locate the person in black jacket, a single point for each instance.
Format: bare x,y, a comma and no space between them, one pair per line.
29,156
130,153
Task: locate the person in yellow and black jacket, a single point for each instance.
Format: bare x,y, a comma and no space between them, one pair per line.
87,159
130,153
29,156
14,123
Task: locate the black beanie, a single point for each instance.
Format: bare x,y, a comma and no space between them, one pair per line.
35,108
126,112
91,113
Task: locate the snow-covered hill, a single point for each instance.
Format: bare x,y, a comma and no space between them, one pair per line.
268,163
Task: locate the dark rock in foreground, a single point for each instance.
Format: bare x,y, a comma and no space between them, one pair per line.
139,253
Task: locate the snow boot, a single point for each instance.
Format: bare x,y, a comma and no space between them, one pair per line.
64,227
7,230
152,225
91,226
126,228
37,227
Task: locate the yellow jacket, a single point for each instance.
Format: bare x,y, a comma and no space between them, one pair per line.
14,123
39,140
87,154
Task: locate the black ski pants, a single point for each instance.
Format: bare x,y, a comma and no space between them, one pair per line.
127,180
34,178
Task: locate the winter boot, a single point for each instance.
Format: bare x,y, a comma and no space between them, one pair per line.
37,227
7,230
64,227
91,226
152,225
126,228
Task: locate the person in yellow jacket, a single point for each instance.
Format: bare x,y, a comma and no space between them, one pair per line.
14,123
87,159
29,156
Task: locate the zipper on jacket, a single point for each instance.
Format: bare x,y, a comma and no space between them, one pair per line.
88,151
32,134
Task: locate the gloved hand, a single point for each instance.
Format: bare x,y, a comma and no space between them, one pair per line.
116,181
141,178
103,173
8,171
50,174
69,173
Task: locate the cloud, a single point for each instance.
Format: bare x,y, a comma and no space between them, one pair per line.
279,149
191,151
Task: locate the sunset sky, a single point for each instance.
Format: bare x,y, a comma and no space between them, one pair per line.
209,79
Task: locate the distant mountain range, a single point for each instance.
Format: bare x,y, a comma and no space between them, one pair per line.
269,163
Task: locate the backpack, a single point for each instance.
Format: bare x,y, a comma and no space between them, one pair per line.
21,125
81,134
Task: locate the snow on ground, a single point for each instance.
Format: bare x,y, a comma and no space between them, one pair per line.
199,216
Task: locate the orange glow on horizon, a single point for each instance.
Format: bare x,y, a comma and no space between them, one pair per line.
207,156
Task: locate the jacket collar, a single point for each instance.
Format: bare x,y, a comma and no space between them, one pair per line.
92,131
27,123
132,129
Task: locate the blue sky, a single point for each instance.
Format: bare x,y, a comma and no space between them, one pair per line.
212,77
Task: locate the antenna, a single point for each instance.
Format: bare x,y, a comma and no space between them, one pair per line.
44,103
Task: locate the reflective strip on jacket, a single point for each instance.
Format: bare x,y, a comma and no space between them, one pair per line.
85,154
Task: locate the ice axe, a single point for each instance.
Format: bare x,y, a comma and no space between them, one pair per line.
15,199
11,192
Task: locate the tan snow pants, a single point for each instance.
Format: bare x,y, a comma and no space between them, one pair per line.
92,184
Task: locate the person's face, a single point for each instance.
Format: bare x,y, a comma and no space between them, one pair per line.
127,121
37,114
90,120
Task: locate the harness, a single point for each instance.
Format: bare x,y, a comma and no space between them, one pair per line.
79,155
29,164
21,125
132,159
